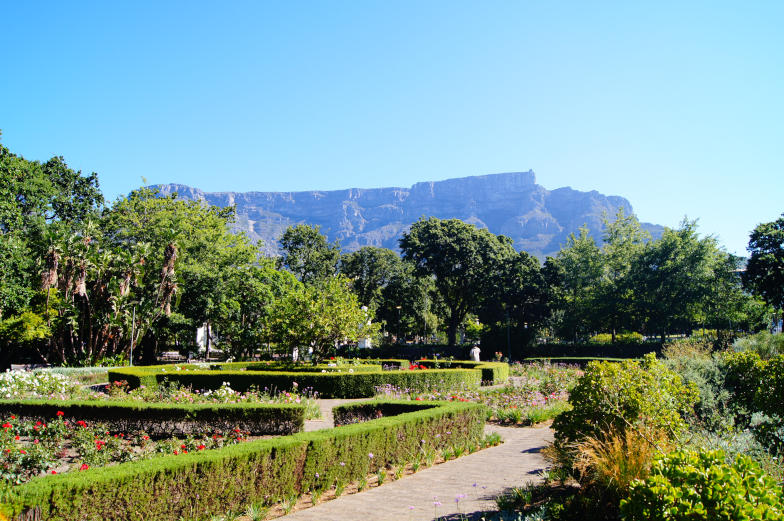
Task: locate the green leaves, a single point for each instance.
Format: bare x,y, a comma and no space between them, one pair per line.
702,485
764,273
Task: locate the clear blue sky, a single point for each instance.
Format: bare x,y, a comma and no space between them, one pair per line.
677,106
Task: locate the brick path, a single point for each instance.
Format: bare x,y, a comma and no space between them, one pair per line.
480,477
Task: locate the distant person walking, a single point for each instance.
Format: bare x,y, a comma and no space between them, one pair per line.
474,353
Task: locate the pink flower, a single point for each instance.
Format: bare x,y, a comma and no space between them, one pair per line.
84,466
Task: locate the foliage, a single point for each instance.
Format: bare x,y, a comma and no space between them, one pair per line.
318,315
764,273
608,338
673,276
328,384
460,257
765,344
645,396
700,485
613,460
306,253
166,419
208,482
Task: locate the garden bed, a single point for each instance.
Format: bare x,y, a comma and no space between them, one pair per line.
196,485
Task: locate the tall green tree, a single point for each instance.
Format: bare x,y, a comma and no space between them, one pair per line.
623,240
461,259
318,316
764,275
673,277
581,269
306,253
370,269
515,304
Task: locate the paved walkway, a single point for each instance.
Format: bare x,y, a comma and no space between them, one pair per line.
475,479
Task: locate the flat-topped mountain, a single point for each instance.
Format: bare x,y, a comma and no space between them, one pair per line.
538,220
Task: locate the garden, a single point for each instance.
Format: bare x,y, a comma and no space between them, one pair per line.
695,434
237,442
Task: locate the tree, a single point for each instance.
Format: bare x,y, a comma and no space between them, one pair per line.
764,274
244,313
318,315
190,249
370,270
515,303
461,259
673,277
581,269
623,242
307,254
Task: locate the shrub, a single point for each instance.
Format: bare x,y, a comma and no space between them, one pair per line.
623,395
614,460
764,344
700,485
34,384
623,338
697,366
158,419
327,384
196,485
492,372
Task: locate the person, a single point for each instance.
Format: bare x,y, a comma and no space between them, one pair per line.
475,353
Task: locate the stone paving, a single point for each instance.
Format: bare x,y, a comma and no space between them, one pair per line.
475,480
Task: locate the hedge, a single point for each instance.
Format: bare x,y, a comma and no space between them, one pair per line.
492,372
328,385
295,368
199,485
159,420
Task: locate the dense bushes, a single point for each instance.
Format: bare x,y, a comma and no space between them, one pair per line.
701,485
196,485
328,385
623,338
168,419
615,396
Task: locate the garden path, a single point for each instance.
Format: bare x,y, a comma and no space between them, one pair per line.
480,477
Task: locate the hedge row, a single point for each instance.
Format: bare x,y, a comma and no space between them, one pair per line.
328,385
296,368
159,420
199,485
492,372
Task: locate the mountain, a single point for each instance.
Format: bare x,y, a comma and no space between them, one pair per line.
538,220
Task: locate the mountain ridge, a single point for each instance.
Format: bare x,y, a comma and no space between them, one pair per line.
512,203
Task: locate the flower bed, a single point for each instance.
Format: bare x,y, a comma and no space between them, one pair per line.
196,485
538,393
161,419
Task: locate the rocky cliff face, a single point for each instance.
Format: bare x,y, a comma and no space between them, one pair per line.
512,204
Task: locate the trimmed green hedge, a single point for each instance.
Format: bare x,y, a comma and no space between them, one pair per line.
492,372
328,385
157,419
199,485
295,368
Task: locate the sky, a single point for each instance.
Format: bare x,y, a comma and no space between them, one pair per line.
677,106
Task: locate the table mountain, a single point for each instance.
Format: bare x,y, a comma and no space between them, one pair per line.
538,220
